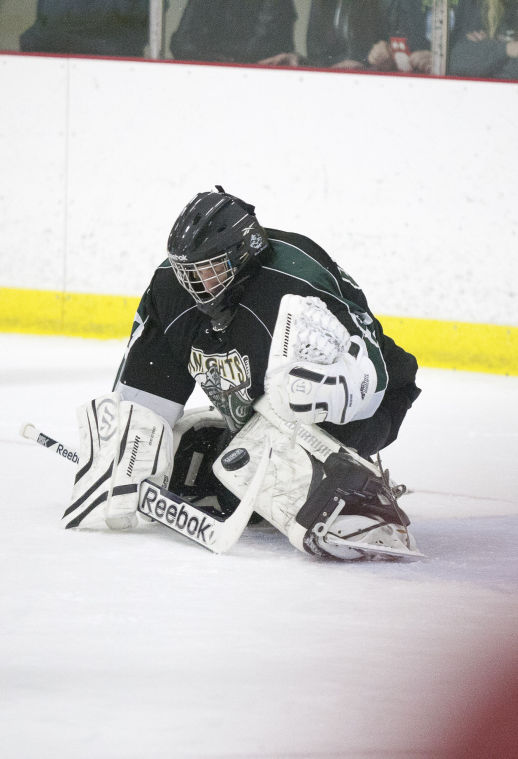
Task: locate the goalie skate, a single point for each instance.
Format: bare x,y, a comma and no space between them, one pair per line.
354,514
358,537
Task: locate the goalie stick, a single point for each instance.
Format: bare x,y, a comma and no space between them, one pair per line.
30,432
216,533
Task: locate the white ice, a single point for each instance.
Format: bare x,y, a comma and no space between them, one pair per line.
142,645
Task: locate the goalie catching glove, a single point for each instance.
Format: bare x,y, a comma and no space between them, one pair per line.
316,370
121,444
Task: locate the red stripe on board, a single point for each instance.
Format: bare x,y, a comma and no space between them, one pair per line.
356,72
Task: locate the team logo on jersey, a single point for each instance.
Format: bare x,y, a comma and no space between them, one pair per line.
225,378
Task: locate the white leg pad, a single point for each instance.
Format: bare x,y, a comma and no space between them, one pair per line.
121,444
287,480
329,523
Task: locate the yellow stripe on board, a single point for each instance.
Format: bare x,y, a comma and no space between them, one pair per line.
45,312
443,344
457,345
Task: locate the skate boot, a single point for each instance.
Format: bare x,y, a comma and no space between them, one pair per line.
353,513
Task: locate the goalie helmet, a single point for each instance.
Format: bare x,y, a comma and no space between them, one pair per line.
212,242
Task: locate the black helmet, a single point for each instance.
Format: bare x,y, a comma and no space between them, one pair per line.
215,237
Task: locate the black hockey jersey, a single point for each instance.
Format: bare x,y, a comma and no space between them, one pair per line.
173,345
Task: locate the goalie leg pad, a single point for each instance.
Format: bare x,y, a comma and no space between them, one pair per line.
121,444
286,483
343,509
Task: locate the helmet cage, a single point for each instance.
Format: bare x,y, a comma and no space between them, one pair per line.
206,280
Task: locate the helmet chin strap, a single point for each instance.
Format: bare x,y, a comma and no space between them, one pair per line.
222,313
220,322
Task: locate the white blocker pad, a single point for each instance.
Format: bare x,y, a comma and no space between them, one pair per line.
316,370
121,444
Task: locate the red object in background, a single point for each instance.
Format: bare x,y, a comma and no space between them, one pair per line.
485,726
401,53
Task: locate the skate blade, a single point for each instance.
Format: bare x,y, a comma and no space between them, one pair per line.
356,550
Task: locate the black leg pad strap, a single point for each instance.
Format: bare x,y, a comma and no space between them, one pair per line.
357,487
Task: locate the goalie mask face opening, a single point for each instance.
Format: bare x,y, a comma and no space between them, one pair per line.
205,280
212,242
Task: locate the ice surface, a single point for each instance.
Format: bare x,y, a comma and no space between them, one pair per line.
142,645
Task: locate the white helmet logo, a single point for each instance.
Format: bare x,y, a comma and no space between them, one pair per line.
179,258
256,241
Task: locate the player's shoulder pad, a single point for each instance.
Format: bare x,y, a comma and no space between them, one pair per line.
300,241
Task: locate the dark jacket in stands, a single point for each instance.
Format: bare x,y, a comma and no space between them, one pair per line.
406,18
340,29
89,27
487,58
241,31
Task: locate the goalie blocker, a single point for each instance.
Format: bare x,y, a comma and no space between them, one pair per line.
317,371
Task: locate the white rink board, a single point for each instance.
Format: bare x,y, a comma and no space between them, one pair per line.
410,183
33,172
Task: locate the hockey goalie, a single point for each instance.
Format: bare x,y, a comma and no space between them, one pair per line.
304,386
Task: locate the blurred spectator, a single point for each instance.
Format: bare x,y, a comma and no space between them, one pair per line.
357,34
484,41
88,27
340,34
240,31
409,42
381,35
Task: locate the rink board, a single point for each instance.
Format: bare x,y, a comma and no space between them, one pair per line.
444,344
98,158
